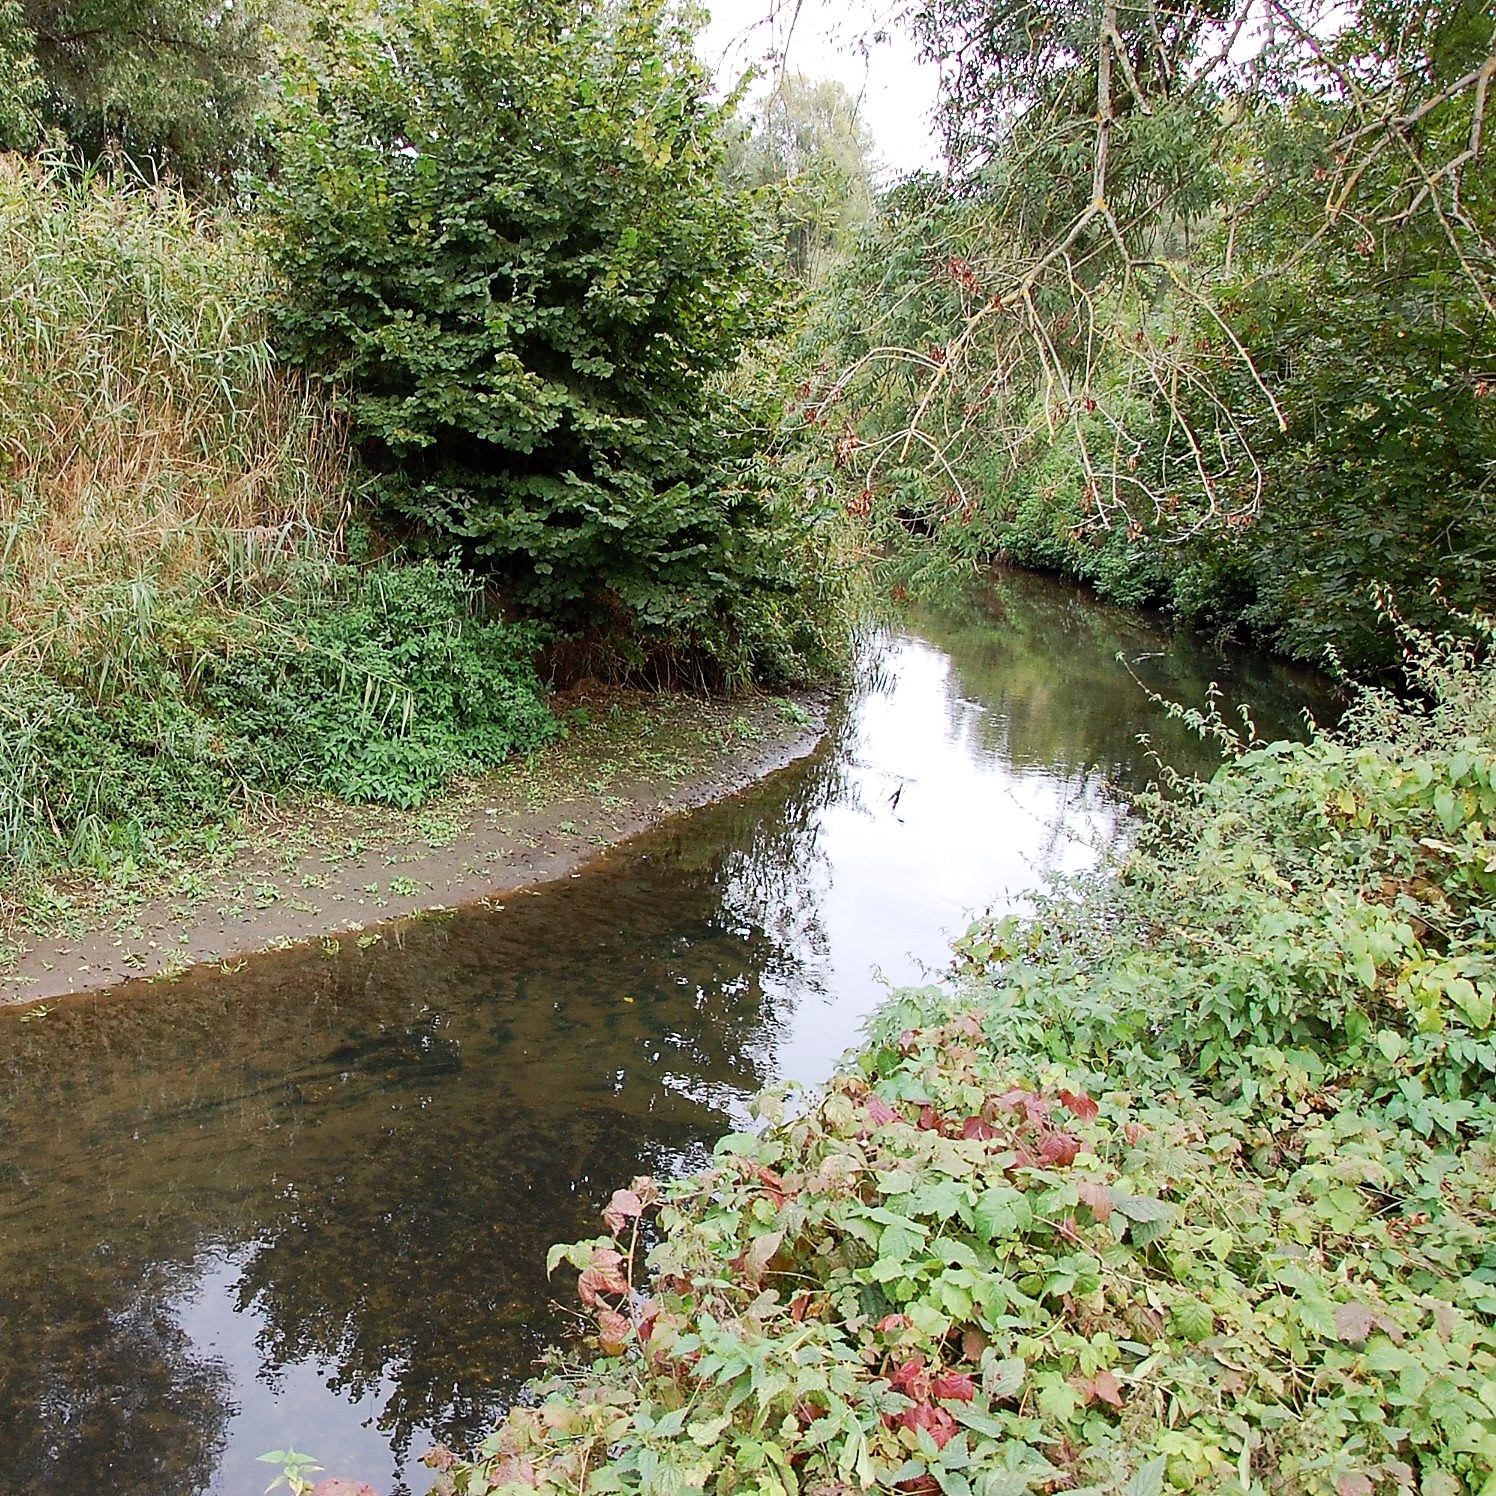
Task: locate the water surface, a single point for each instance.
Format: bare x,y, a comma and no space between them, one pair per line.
308,1203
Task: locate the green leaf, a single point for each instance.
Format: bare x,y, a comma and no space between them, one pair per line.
1192,1320
1148,1479
1143,1208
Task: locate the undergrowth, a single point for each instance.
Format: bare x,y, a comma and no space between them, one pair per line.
180,630
1187,1182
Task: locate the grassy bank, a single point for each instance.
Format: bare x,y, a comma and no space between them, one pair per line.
1188,1182
182,633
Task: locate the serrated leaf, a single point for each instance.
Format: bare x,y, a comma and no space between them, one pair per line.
1191,1320
1354,1321
1148,1479
1005,1483
1143,1208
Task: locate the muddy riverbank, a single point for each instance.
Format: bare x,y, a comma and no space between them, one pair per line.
326,871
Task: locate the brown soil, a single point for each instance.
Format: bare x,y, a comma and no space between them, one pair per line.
318,869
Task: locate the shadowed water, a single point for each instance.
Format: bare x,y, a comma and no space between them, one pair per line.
308,1203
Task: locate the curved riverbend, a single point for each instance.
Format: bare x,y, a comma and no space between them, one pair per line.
309,1203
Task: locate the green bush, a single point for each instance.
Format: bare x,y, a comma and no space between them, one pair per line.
503,233
379,687
1186,1182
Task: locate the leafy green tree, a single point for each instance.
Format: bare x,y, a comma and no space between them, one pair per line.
504,233
20,85
808,145
178,85
1205,315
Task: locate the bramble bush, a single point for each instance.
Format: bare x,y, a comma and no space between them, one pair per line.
1187,1182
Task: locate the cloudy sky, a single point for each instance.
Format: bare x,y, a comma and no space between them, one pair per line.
857,42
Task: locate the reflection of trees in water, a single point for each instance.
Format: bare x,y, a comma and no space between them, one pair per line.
773,875
1041,658
101,1365
393,1137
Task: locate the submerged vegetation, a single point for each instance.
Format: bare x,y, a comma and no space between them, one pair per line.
1186,1182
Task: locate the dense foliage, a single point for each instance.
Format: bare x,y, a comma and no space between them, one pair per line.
1188,1183
179,630
1204,317
504,233
174,87
375,685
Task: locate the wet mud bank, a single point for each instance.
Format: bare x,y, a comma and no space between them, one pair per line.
325,871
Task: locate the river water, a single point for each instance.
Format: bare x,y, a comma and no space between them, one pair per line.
308,1203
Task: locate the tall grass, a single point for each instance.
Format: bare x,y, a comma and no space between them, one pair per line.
147,439
178,630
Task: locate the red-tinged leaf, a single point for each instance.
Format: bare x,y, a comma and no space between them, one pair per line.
1355,1483
970,1025
919,1485
880,1111
753,1261
1134,1132
1081,1104
1354,1321
929,1119
613,1331
891,1322
936,1422
1033,1106
772,1183
625,1206
439,1457
603,1275
340,1485
514,1471
956,1385
1096,1197
909,1041
798,1305
911,1378
647,1190
1058,1149
978,1129
1107,1388
649,1312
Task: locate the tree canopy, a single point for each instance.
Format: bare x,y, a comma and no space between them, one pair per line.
177,86
1205,313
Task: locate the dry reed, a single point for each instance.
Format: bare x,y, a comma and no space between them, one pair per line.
147,439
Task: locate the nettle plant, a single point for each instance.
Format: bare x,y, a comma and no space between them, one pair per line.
504,235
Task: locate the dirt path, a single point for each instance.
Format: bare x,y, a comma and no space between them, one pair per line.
319,869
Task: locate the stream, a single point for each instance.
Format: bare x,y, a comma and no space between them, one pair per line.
308,1203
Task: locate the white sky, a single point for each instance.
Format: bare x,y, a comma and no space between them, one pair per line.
857,42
